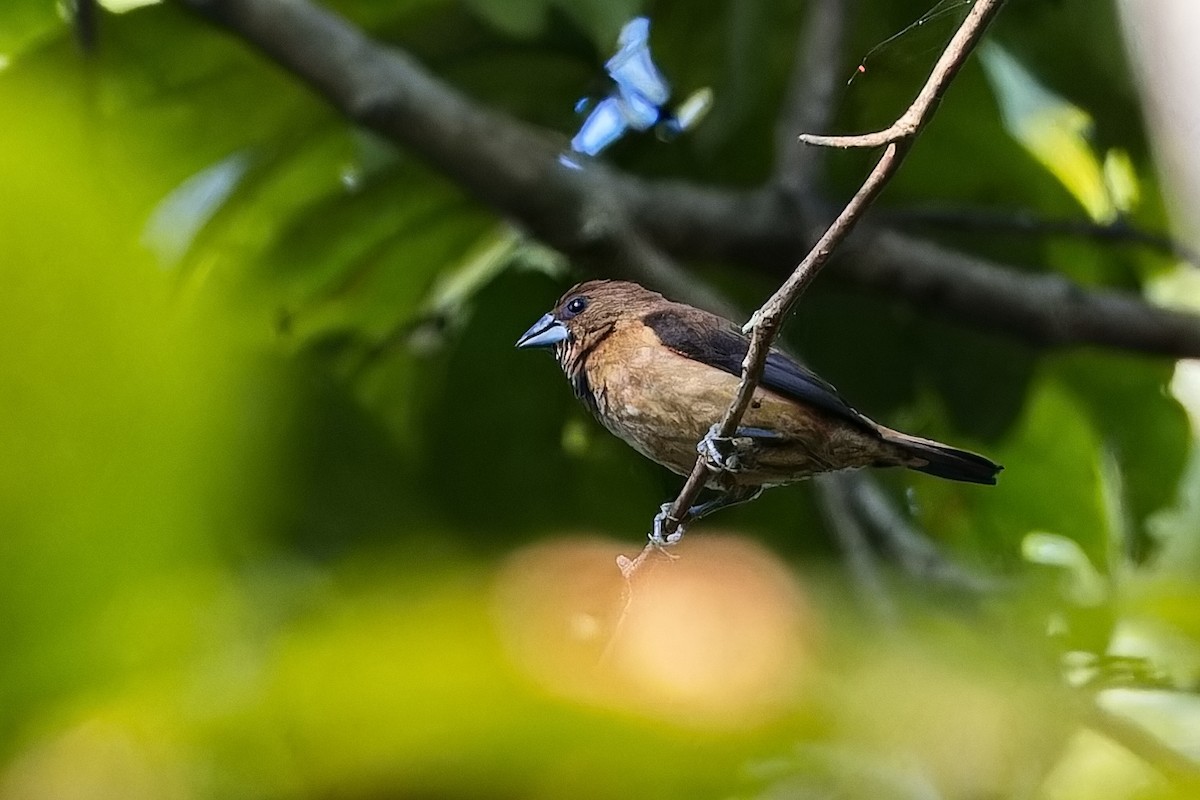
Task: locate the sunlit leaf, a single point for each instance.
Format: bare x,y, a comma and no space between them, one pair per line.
1056,132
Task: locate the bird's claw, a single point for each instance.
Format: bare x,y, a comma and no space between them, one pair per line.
720,452
658,537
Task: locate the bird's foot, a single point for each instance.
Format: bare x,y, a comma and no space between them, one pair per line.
719,452
751,324
659,537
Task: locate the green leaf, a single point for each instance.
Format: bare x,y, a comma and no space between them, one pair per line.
1151,446
24,23
1050,483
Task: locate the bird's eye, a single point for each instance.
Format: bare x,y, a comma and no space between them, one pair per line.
575,305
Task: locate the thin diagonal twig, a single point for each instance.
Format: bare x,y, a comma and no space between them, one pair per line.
765,324
921,111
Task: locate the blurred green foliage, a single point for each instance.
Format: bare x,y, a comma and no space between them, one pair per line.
267,448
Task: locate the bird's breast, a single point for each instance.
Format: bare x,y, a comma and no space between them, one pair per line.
663,403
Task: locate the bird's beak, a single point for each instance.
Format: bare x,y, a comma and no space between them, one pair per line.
546,332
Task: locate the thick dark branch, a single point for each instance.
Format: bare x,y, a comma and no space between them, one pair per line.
513,167
1027,223
641,261
1043,309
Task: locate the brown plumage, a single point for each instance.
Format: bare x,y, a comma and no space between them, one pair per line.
658,374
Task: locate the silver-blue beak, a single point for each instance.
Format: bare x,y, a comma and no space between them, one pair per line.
546,332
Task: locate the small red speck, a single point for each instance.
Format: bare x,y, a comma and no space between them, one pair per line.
862,68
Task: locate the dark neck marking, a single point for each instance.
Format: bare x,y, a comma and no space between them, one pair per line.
574,364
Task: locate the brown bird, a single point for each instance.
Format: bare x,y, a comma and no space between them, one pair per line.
660,374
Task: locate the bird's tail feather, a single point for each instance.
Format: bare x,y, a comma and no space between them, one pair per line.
942,460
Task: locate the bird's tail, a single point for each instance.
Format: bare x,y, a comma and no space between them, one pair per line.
942,460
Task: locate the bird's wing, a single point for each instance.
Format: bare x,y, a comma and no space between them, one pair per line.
715,341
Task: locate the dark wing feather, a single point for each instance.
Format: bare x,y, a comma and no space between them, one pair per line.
715,341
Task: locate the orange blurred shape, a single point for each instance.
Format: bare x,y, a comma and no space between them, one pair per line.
716,633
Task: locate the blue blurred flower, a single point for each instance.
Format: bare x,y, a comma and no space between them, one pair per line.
640,92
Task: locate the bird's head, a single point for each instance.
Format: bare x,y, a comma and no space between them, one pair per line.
587,313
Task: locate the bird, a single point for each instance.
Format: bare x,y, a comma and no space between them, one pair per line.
661,374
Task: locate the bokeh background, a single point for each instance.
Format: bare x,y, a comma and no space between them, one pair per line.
283,514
